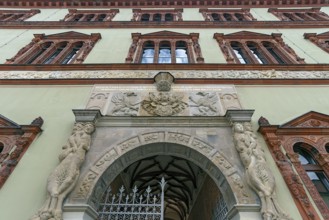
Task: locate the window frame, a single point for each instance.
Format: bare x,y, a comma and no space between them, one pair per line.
281,50
291,14
245,12
319,39
74,13
138,40
25,14
311,132
176,13
55,40
15,139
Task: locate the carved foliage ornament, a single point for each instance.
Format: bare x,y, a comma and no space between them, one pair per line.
64,177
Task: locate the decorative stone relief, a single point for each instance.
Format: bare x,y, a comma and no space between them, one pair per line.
95,173
258,174
230,101
97,101
125,104
142,74
163,81
205,104
164,103
63,179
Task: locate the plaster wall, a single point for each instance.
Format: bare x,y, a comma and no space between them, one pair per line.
114,45
26,187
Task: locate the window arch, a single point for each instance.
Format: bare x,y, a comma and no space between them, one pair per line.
65,48
253,48
310,14
321,40
17,15
314,171
300,148
157,15
165,47
227,14
90,15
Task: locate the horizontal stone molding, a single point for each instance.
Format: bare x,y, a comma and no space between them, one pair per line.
178,74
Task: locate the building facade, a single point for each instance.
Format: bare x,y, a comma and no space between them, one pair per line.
213,109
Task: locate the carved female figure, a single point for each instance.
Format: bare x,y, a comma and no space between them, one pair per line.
258,174
62,180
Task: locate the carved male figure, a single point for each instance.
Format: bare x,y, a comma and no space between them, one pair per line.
258,174
63,179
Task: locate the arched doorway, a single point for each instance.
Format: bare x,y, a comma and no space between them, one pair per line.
189,192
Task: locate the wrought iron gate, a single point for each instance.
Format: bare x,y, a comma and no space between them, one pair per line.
133,206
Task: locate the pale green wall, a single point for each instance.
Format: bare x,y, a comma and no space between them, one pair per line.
25,190
280,104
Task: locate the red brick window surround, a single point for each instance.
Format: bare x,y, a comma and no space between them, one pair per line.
301,151
15,139
157,15
311,14
90,15
227,14
321,40
165,47
17,15
253,48
64,48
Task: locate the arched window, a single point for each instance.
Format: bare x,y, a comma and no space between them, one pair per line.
309,14
71,55
239,53
164,52
145,17
215,17
59,48
314,172
157,17
101,17
239,16
169,17
157,48
56,49
253,47
78,17
263,49
272,50
181,52
42,48
227,16
148,52
17,15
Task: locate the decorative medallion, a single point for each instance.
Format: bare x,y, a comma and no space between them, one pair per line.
164,103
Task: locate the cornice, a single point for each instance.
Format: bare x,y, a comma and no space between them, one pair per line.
157,3
150,24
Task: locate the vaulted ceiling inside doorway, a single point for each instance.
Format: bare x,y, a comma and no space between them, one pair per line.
184,181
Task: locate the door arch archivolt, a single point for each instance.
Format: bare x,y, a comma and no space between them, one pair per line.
99,173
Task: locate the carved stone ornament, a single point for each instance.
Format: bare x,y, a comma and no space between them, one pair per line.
258,174
125,104
63,179
178,74
206,103
163,81
164,104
